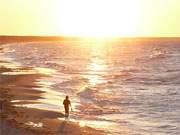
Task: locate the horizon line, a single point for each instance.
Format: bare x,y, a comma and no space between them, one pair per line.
86,37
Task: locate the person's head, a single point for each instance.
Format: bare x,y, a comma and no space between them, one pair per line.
67,97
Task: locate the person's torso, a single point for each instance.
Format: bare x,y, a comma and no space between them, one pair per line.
66,103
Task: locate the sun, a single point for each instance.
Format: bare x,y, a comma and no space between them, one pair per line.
98,18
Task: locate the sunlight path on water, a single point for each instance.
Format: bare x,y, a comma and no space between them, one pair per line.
97,66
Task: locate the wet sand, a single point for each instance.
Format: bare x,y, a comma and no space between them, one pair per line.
17,119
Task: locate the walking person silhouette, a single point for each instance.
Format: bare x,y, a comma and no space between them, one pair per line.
66,104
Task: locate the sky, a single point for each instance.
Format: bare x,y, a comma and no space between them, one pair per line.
91,18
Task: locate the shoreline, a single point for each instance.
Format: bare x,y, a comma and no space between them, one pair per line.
18,120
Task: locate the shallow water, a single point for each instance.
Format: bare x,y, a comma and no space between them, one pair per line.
122,87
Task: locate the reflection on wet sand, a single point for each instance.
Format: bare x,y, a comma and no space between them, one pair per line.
35,125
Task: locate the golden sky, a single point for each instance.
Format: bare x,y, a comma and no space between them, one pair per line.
96,18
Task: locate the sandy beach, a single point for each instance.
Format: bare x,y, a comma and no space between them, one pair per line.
19,120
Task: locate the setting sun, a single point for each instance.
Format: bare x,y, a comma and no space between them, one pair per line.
91,18
98,18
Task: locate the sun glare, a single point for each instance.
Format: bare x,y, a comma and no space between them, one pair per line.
98,18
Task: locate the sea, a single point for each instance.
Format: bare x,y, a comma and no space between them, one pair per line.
121,86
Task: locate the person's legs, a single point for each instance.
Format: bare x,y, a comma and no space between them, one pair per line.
66,112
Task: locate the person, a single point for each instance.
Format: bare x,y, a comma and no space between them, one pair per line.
66,104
